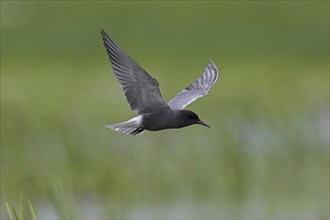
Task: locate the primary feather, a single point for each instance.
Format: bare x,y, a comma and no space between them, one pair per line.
141,90
197,89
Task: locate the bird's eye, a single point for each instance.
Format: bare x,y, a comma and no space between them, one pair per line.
192,116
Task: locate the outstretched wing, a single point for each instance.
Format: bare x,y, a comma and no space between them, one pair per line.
196,90
141,90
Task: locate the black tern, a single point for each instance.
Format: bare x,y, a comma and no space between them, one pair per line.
144,97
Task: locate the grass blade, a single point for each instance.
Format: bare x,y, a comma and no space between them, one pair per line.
34,217
9,211
21,207
15,214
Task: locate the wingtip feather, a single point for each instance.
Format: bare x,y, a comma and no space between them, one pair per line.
212,65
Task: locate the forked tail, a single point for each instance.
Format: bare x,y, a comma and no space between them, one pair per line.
132,127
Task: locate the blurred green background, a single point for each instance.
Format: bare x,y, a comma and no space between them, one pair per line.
266,155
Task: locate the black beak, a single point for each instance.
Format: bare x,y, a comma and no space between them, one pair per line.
202,123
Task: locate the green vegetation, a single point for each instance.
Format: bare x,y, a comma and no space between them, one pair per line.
13,214
265,156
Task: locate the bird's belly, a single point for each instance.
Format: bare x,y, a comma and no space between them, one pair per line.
158,122
156,126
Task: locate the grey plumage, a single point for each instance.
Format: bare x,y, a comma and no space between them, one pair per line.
141,90
145,98
197,89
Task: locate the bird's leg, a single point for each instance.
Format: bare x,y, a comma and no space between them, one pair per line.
137,131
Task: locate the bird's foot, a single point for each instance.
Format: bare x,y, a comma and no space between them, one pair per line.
137,131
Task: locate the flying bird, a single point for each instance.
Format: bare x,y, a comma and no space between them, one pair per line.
145,98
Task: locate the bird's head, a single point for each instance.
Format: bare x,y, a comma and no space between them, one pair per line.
191,118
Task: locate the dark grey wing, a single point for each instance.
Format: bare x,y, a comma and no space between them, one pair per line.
196,90
141,90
